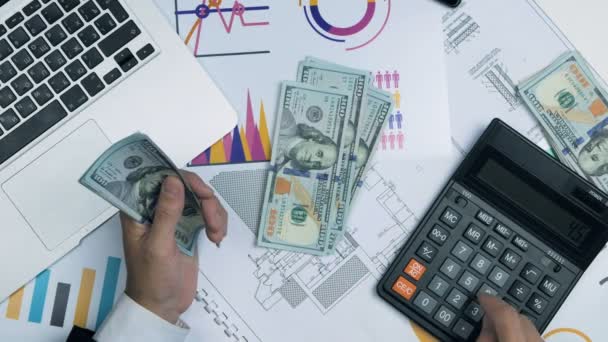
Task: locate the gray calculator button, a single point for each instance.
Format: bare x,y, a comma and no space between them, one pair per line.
499,276
531,273
444,316
450,268
537,303
450,217
456,299
484,218
463,329
492,246
425,302
474,234
462,251
549,286
519,291
510,259
427,252
438,286
480,264
521,243
438,234
468,281
503,230
487,289
474,312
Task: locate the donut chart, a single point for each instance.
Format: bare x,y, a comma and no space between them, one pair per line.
342,31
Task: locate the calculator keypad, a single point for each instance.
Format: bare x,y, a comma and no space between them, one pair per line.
464,251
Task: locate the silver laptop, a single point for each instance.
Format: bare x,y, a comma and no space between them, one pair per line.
75,76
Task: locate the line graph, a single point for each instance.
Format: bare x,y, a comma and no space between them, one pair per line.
210,17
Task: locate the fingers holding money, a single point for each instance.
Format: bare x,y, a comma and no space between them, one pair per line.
168,212
214,213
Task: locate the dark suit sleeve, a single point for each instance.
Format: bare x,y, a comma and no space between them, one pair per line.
80,335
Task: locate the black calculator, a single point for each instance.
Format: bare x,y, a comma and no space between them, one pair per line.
512,222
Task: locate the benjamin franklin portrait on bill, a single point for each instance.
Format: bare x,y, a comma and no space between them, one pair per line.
593,158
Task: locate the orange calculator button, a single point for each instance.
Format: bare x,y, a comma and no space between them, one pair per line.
404,287
415,269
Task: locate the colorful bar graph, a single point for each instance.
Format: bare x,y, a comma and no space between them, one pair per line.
108,291
14,304
39,296
62,294
87,281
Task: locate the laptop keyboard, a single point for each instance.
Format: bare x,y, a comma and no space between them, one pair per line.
56,56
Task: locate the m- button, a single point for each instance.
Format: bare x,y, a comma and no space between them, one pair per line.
450,217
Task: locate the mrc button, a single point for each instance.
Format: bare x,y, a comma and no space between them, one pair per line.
450,217
484,218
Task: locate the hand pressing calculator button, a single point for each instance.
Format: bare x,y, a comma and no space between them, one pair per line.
483,247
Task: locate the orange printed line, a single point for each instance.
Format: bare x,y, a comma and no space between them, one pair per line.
568,330
87,281
197,23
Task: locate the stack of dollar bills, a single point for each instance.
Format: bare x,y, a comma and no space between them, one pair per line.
129,176
327,126
572,108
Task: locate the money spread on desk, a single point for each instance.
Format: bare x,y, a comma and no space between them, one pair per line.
247,293
129,175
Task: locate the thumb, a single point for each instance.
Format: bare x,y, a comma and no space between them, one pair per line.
168,211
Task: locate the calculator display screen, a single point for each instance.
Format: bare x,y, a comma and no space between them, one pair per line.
530,198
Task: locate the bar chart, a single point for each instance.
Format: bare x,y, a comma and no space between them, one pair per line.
79,290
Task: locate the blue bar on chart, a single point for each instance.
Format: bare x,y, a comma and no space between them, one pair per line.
39,296
61,303
108,291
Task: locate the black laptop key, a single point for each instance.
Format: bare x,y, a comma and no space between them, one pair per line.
35,25
2,30
45,1
71,48
146,51
75,70
59,82
72,22
6,97
22,59
92,58
55,60
74,98
14,20
89,11
42,94
92,84
31,129
125,60
9,119
115,8
32,7
7,71
5,49
38,72
119,38
88,36
39,47
68,5
52,13
112,76
55,35
25,107
22,84
18,37
105,24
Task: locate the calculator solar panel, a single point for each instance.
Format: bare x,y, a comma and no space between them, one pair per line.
512,223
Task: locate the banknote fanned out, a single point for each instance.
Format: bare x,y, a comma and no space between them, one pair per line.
129,175
305,165
572,108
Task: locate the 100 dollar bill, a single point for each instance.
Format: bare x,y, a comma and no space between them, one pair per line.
129,176
572,108
308,143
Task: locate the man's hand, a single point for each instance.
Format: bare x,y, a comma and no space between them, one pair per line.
503,324
159,277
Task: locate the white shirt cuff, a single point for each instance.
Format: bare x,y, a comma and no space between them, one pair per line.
131,322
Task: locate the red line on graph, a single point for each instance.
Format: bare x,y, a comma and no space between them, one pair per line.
237,10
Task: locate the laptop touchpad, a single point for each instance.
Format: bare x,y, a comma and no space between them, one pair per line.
47,192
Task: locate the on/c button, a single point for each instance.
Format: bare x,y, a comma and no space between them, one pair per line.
404,288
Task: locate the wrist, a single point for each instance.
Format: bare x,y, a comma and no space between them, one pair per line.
169,315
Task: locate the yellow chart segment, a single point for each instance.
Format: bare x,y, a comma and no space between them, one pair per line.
218,153
264,132
15,300
87,281
246,149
